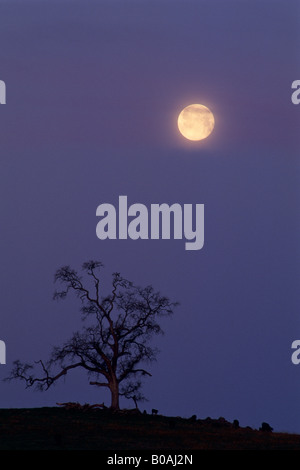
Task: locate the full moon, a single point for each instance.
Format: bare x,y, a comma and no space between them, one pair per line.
196,122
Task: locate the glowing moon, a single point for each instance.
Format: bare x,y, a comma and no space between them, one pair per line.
196,122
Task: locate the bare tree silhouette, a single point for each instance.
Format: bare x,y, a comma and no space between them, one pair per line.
113,343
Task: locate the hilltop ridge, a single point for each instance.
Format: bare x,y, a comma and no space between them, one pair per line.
98,428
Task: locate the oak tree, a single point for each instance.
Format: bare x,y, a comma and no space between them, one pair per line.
113,346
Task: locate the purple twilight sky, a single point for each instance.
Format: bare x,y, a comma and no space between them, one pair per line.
93,94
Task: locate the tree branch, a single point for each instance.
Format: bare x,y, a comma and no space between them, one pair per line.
100,384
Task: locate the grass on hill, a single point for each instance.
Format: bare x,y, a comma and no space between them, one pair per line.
97,429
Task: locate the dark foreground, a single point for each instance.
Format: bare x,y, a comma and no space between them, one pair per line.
97,429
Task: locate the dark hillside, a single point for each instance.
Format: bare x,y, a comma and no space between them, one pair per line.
97,429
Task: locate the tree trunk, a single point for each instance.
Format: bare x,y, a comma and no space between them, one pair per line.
114,389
